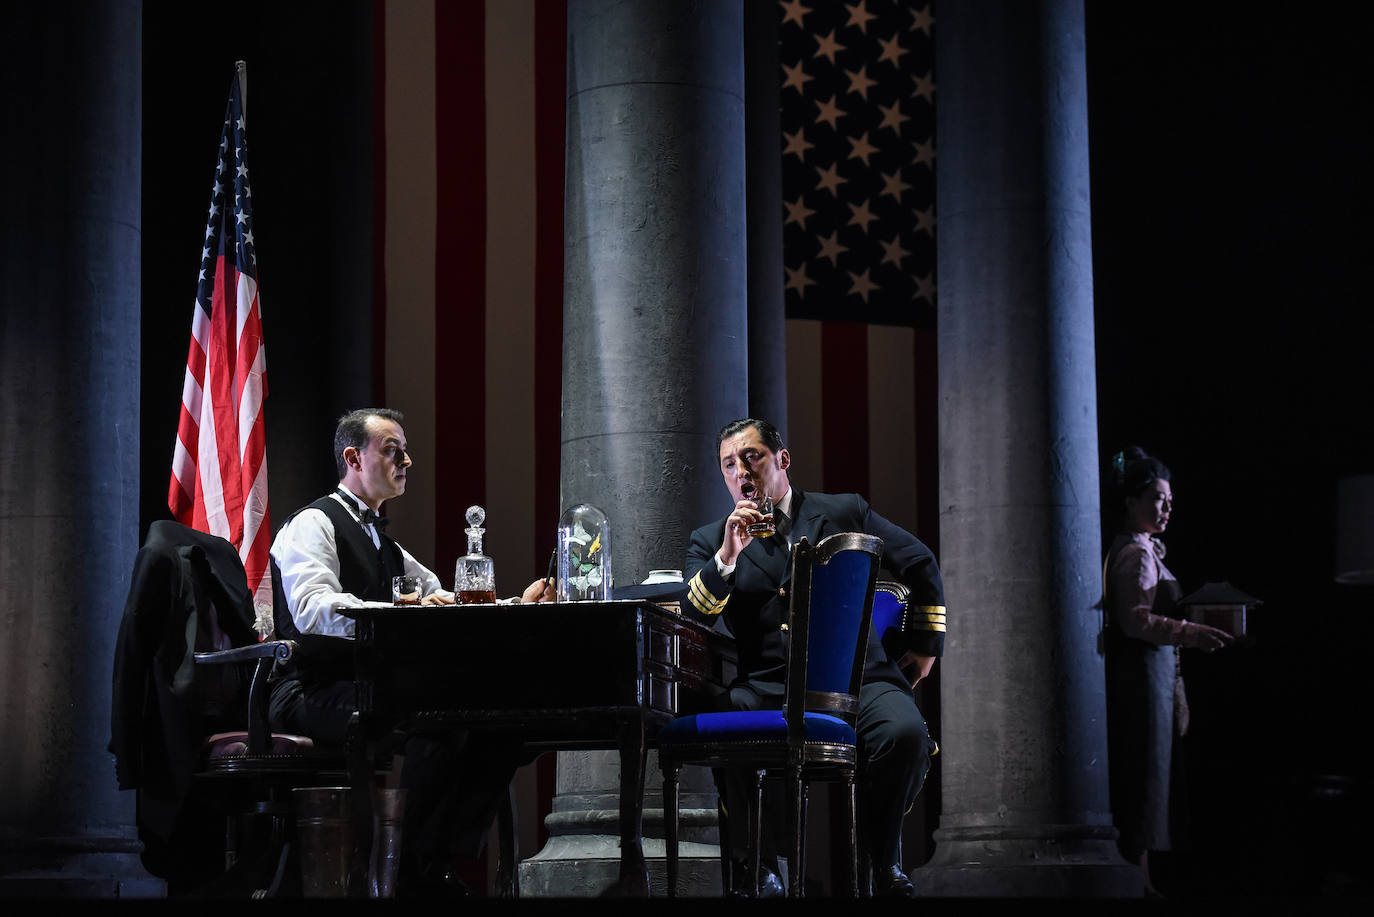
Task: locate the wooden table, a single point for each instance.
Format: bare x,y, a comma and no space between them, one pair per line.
597,675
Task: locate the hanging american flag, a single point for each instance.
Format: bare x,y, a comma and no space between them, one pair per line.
858,172
219,465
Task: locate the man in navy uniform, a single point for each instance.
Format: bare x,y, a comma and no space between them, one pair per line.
730,573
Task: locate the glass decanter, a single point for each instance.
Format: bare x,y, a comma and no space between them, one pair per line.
474,579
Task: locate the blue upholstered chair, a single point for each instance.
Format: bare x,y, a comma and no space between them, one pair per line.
812,737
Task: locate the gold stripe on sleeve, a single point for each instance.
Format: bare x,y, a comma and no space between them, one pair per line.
929,617
702,599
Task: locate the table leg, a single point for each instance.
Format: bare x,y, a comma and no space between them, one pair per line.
634,872
360,783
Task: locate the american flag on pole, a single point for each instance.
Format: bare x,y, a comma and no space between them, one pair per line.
219,466
858,167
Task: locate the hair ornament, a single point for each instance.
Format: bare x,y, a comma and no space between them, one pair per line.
1119,467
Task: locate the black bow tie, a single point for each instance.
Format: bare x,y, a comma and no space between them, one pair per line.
365,514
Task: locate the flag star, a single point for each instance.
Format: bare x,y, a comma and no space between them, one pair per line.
830,179
205,254
797,212
862,284
240,217
925,152
860,82
248,237
891,51
794,11
243,170
239,123
202,274
893,117
247,191
893,251
797,144
925,287
831,248
925,86
796,77
219,189
828,47
859,15
925,220
830,112
860,148
797,279
209,231
214,208
921,21
223,143
861,214
893,184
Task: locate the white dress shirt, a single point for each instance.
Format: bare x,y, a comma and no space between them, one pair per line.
306,553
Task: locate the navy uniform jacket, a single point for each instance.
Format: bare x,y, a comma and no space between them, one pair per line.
755,601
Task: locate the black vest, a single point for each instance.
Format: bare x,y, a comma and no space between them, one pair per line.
364,571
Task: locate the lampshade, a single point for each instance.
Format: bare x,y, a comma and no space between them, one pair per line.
1355,530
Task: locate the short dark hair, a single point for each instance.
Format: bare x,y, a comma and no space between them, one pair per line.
352,431
767,432
1133,470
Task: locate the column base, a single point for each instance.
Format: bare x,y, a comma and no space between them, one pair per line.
79,867
588,866
1020,861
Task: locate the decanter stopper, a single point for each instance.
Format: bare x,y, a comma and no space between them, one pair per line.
475,516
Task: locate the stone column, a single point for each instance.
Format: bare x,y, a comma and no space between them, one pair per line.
654,345
763,178
1024,751
69,440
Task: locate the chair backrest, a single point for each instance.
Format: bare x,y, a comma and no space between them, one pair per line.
831,606
889,611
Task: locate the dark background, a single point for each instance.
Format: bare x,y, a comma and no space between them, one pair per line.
1230,148
1231,200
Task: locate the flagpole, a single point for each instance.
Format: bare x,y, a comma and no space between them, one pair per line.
241,67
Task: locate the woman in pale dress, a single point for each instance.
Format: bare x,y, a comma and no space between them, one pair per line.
1146,704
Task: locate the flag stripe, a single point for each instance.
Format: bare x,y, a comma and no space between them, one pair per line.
408,379
509,303
225,514
805,439
460,262
892,424
844,405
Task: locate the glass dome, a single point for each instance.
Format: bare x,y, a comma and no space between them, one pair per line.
584,555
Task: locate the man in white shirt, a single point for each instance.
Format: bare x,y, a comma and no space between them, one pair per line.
335,554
